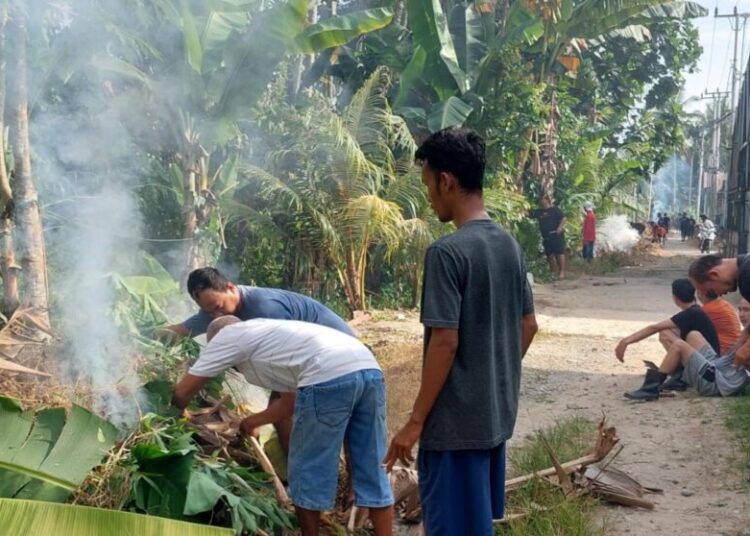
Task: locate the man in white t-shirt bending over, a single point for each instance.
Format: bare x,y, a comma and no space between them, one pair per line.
340,397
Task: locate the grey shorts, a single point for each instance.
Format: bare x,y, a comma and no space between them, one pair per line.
700,373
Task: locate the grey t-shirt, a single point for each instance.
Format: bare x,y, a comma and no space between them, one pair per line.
475,281
259,302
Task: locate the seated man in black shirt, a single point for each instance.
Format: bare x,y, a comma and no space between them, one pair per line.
690,318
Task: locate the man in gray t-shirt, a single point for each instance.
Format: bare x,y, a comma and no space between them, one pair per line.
478,314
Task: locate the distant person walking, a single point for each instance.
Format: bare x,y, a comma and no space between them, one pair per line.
684,226
552,227
706,233
589,230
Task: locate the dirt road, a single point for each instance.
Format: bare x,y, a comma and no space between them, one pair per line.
678,444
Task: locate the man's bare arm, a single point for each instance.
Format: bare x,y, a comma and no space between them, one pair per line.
439,357
187,388
170,333
277,410
529,328
642,334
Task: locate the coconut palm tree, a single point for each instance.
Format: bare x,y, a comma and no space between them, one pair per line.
346,180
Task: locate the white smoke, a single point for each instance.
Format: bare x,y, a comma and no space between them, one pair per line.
104,226
615,234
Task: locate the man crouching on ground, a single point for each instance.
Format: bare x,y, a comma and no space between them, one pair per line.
340,398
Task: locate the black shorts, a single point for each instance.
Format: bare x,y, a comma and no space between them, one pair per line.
554,244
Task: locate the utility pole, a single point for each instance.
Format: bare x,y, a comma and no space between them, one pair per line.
674,180
700,175
736,73
715,158
690,180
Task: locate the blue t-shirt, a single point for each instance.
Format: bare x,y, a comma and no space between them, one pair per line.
257,302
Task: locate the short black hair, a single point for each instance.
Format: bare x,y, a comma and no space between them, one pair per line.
683,290
703,217
208,278
459,151
700,267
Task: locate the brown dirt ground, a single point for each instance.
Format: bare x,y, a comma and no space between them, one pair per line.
678,444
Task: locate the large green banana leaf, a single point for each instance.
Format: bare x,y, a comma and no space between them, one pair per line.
430,31
46,455
341,29
601,17
37,517
451,112
469,40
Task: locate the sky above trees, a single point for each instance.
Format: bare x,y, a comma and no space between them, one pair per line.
717,40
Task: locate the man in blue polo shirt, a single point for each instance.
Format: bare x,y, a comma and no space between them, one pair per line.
217,296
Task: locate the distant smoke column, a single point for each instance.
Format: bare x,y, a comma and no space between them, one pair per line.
105,226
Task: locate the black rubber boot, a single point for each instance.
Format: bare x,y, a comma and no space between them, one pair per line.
675,382
650,388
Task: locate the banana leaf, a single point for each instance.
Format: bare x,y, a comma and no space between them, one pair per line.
451,112
46,455
341,29
429,26
193,46
37,517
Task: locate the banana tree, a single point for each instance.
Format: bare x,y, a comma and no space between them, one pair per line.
230,53
567,27
8,268
30,244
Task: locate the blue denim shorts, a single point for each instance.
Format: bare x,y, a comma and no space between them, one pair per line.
348,409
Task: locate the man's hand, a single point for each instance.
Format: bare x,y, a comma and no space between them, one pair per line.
620,350
402,445
249,427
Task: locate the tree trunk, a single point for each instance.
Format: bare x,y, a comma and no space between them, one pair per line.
8,268
544,157
30,233
352,283
192,227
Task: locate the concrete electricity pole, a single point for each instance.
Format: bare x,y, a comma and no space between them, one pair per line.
714,160
735,23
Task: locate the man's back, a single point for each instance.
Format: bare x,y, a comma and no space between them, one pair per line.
725,320
259,302
475,281
283,354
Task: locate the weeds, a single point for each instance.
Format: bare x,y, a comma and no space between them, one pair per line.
738,421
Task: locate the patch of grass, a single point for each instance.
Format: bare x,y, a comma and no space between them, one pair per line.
738,421
552,514
569,439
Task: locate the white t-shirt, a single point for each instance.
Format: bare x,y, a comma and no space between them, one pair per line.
283,355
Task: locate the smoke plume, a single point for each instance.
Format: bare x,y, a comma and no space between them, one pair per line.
615,234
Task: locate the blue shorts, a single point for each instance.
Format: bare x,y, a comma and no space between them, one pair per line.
462,491
352,409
